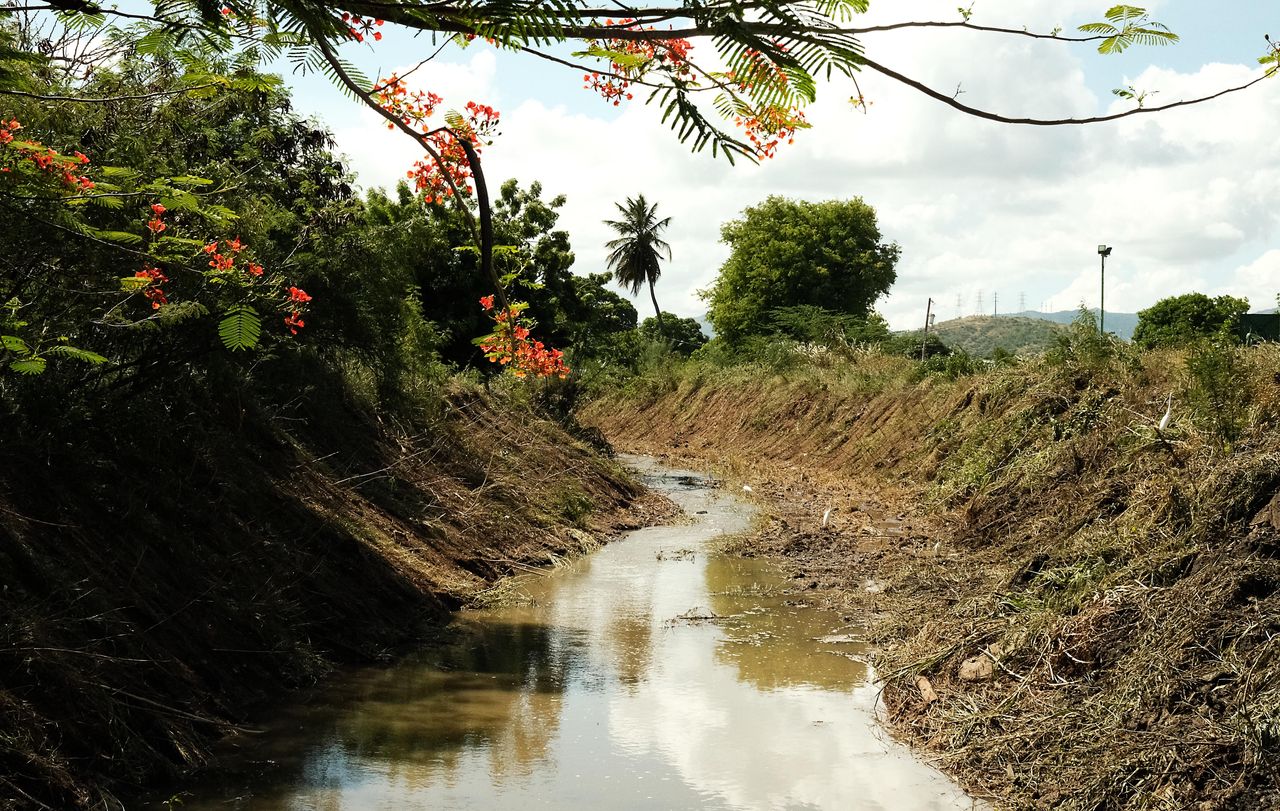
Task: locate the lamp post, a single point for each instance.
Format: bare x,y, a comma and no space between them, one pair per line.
1103,253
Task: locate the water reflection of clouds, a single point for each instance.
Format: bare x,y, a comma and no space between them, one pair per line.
791,747
587,697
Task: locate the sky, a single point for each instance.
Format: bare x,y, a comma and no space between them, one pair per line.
989,214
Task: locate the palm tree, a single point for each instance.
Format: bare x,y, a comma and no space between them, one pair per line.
634,256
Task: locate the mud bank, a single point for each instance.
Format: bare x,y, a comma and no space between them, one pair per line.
153,593
1072,611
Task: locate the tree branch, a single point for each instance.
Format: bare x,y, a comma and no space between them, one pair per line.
482,236
109,99
977,112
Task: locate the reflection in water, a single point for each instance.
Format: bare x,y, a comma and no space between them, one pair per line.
593,693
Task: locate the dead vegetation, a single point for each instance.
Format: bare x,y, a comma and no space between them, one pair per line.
1075,607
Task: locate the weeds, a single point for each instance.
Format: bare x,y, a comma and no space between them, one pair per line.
1219,389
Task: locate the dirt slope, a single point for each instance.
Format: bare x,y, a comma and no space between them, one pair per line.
1076,610
154,592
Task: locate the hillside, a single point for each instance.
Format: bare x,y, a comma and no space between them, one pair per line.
981,335
1119,324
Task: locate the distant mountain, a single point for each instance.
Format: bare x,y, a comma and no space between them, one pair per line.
980,335
1120,324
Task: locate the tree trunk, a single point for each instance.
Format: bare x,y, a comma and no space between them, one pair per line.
662,328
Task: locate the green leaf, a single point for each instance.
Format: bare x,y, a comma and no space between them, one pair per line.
15,344
122,237
240,329
189,180
132,284
29,366
122,173
75,353
623,59
105,201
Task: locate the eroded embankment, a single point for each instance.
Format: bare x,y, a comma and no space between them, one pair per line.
157,588
1075,609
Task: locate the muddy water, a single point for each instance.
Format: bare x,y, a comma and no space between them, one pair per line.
651,675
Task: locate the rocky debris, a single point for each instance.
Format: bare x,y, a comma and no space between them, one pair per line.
976,668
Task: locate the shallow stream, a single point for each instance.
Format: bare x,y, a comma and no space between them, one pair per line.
653,674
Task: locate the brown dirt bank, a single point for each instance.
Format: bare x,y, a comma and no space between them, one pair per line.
1094,607
154,592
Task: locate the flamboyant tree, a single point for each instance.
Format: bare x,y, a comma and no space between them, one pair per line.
733,75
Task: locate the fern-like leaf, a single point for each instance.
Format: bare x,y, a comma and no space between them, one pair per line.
29,366
240,328
14,344
75,353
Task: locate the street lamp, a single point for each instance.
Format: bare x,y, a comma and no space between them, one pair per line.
1103,253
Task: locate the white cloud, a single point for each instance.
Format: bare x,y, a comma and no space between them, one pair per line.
1185,197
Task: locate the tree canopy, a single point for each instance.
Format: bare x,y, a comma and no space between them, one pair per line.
1179,320
685,335
735,77
788,253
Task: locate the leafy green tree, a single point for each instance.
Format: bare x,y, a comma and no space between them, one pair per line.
684,334
635,257
818,325
1180,320
788,253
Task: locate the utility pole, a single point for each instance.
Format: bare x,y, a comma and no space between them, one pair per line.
928,318
1103,253
1022,302
982,304
995,303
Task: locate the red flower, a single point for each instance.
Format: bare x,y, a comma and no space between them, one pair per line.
156,225
299,295
211,247
155,277
158,209
486,302
255,270
294,323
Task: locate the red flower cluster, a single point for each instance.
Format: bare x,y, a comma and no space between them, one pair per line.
152,291
670,56
429,176
220,261
361,27
767,126
155,225
296,304
413,109
510,345
47,160
770,127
